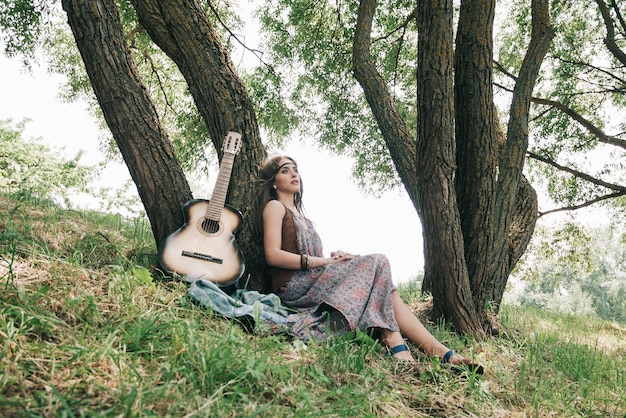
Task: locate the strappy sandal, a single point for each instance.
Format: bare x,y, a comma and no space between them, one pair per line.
397,349
400,348
466,365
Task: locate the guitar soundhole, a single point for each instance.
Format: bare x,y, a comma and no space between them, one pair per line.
210,226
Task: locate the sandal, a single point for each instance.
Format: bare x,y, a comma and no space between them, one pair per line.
397,349
400,348
466,364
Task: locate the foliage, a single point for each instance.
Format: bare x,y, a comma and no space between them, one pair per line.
29,167
303,86
86,333
32,26
581,92
23,24
574,269
310,48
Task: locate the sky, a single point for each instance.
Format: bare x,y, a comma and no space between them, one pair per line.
345,217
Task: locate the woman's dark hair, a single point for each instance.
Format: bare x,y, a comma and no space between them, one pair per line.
267,173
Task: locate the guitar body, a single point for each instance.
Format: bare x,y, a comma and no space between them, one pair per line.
204,248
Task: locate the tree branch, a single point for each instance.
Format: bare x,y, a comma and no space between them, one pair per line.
618,190
578,174
594,130
257,53
583,205
609,40
396,134
587,124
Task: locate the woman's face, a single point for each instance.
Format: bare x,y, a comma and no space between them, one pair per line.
287,179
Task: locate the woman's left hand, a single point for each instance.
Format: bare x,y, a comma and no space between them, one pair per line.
341,255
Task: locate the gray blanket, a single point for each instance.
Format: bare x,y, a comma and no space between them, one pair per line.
263,309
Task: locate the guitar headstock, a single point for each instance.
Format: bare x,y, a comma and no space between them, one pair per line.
232,143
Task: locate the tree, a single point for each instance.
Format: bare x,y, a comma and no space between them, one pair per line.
463,174
133,120
129,113
184,32
435,130
30,168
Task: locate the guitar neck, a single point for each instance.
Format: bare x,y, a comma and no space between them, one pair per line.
218,197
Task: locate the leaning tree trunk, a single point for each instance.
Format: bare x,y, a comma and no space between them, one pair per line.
129,112
517,215
183,31
445,269
498,209
526,213
399,141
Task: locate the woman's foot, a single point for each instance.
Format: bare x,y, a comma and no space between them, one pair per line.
455,359
401,352
396,347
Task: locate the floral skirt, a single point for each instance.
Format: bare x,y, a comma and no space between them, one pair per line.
340,297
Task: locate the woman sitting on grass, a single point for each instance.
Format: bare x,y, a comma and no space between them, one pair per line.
335,294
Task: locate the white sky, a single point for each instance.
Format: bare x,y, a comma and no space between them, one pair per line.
345,218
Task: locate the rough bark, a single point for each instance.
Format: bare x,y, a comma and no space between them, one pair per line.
129,112
510,212
478,137
477,221
526,212
445,269
183,31
498,208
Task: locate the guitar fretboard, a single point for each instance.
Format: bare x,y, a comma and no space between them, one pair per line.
218,198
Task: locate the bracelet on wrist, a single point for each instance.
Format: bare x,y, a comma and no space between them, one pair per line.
304,262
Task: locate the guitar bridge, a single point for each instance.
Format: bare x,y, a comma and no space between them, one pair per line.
200,256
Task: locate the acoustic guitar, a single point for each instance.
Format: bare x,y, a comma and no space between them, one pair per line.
205,246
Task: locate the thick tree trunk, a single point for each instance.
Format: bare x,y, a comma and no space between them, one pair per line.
428,169
498,207
182,30
478,137
129,112
445,269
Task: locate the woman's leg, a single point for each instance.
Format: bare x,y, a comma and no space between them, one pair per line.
392,339
413,329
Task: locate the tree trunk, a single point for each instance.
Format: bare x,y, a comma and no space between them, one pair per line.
517,215
521,230
478,137
445,268
428,170
182,30
129,112
498,207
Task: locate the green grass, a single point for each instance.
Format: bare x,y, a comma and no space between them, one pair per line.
89,328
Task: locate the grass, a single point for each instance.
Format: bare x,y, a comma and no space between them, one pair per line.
89,328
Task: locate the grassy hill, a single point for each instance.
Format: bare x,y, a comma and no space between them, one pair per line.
89,328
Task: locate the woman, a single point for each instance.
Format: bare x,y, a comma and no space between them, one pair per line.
335,294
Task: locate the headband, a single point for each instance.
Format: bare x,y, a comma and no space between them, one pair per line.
284,164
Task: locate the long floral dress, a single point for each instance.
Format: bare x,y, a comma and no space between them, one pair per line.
339,297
